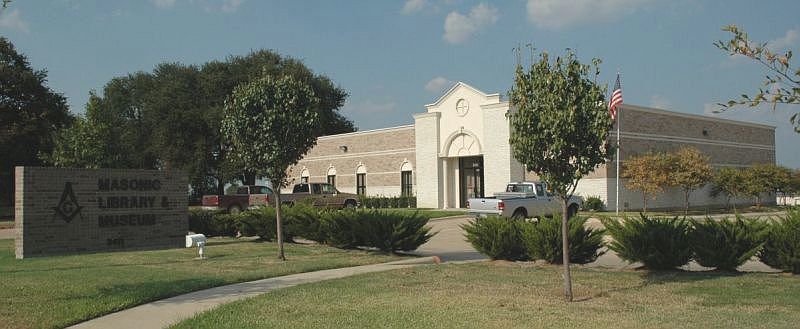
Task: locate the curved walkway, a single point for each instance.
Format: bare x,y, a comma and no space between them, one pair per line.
162,313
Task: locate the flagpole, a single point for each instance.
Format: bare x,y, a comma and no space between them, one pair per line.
619,150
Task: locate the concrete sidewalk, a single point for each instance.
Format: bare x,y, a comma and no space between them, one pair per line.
162,313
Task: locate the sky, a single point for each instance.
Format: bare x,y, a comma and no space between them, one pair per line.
393,57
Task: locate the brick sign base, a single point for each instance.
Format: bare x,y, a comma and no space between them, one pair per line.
64,210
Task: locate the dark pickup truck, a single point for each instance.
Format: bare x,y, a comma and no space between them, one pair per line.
248,196
321,195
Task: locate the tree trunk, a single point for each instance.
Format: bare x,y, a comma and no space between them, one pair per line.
220,186
686,199
565,251
644,202
279,222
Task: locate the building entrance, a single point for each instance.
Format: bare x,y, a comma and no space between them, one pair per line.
471,180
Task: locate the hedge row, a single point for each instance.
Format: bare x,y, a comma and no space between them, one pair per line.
383,230
658,243
372,202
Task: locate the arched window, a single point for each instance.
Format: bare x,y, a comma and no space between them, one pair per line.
332,176
304,176
406,179
361,180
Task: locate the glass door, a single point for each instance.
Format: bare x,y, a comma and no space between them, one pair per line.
471,182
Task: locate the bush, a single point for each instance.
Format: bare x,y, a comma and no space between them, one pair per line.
594,203
497,237
543,241
372,202
258,222
211,222
659,243
384,230
782,247
726,244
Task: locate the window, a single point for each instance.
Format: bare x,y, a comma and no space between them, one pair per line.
539,190
406,185
328,189
316,189
304,180
332,180
301,188
361,184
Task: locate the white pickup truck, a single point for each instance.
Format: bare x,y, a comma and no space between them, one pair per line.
522,200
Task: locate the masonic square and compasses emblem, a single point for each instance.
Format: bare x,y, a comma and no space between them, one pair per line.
68,206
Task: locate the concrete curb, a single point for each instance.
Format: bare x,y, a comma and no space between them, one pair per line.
162,313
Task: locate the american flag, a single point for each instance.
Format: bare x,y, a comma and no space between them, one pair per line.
616,99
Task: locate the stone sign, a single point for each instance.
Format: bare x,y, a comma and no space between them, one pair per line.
65,210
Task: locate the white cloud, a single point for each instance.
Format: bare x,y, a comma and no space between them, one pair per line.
163,4
789,40
413,6
556,14
660,102
231,5
369,107
438,84
11,20
458,27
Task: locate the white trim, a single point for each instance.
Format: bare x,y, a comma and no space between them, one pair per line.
694,116
666,138
353,175
359,155
367,132
361,168
453,89
448,142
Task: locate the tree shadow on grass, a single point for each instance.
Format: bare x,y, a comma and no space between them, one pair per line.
652,277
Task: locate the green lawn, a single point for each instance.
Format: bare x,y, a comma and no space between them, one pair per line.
59,291
512,295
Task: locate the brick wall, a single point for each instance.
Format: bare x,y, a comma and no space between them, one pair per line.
63,210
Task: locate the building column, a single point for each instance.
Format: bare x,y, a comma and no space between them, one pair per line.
445,184
429,166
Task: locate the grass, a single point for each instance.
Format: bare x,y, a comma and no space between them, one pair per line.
514,295
59,291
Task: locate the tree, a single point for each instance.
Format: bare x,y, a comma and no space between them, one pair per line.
690,170
765,178
88,143
729,181
270,123
560,128
649,173
782,83
30,113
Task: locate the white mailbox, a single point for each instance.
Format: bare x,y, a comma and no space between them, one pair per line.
198,240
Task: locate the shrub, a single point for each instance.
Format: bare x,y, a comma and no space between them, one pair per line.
726,244
497,237
594,203
372,202
659,243
782,247
258,222
393,231
211,222
340,228
385,230
543,241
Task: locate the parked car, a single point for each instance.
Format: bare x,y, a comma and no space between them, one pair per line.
321,195
522,200
248,196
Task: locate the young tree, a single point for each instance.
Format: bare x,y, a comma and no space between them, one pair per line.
270,123
560,128
782,83
729,181
690,170
649,173
765,178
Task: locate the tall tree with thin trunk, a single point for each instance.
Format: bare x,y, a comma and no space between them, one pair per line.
270,123
560,128
690,170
